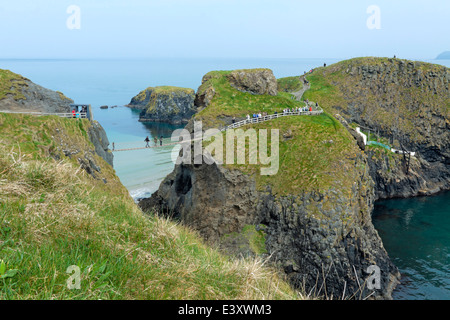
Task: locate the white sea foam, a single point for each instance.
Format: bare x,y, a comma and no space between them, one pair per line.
141,193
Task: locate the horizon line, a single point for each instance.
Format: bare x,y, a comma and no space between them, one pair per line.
210,57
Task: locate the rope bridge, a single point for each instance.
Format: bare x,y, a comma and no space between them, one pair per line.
236,125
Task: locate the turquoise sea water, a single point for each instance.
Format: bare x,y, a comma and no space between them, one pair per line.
421,252
416,234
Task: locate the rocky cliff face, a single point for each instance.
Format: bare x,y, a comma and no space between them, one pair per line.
165,104
324,242
405,102
99,139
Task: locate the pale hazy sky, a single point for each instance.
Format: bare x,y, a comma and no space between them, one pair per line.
224,28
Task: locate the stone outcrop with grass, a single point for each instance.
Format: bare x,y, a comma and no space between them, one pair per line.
18,93
165,104
312,219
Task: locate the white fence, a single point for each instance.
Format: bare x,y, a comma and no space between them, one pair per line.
271,117
37,113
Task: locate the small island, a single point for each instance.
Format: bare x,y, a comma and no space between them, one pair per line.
169,104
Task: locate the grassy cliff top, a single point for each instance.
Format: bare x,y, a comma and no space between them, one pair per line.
11,84
230,102
171,89
317,154
161,90
289,84
54,215
391,93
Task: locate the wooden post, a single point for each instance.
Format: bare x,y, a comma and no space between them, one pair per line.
90,114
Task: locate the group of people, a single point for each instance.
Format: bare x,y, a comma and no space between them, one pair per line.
258,116
297,109
77,114
155,140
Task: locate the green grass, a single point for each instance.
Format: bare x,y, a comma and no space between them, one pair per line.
54,215
229,102
162,90
308,162
289,84
335,88
11,84
320,155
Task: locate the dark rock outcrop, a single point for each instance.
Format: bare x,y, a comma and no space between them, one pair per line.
99,139
165,104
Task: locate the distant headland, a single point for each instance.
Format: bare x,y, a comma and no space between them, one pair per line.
444,56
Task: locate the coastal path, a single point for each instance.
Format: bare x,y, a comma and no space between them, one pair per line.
38,113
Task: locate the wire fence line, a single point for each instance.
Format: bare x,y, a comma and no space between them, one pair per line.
38,113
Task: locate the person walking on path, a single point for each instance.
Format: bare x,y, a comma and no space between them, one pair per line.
147,140
160,140
155,140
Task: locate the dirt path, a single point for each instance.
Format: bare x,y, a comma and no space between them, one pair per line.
298,94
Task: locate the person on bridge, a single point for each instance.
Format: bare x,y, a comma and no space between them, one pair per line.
147,140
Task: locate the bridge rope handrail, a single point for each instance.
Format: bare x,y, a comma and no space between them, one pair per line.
235,126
